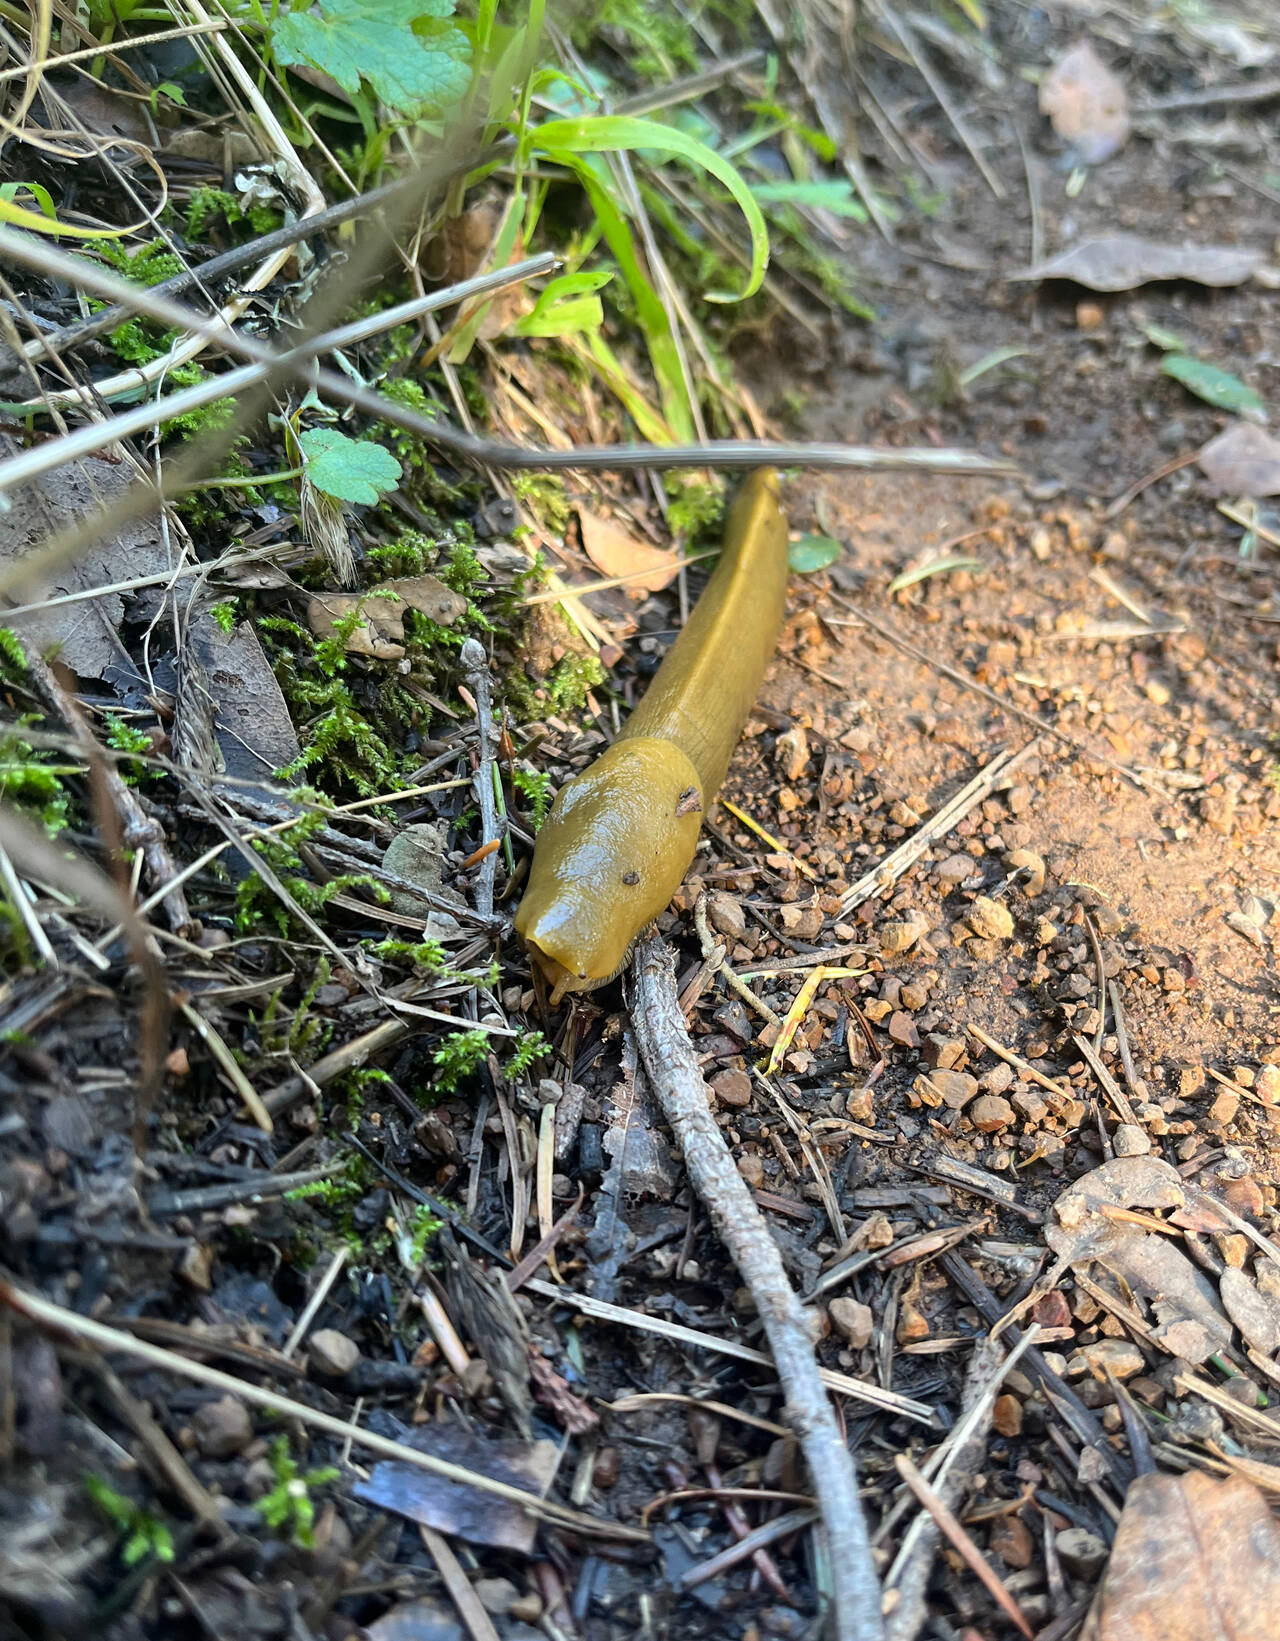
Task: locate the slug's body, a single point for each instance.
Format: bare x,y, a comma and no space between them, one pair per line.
620,836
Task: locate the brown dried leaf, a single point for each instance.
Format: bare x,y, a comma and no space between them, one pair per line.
1243,460
382,608
1087,104
574,1416
1195,1559
615,552
1121,262
1256,1314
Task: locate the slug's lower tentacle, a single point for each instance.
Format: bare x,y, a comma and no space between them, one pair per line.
620,836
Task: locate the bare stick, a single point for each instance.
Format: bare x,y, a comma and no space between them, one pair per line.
28,464
672,1067
20,249
476,663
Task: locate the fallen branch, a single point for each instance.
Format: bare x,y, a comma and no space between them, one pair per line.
671,1064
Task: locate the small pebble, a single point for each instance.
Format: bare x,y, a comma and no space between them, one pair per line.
732,1088
1224,1108
1131,1141
990,1113
222,1428
854,1322
331,1353
990,919
1006,1415
1121,1356
956,1087
752,1170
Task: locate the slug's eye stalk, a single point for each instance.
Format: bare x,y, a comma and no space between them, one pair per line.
640,803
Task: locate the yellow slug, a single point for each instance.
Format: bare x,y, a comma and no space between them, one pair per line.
620,836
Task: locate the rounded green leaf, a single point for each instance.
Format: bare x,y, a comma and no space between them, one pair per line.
348,469
809,554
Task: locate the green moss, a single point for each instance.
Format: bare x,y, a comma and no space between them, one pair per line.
458,1057
210,206
544,495
563,690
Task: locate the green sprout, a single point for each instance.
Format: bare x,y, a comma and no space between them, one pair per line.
289,1505
142,1534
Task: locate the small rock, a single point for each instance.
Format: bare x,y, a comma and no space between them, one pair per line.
222,1428
956,1087
1120,1356
1190,1081
997,1080
791,753
1006,1415
732,1088
1268,1084
1131,1141
1242,1194
853,1321
331,1353
528,1609
726,916
1081,1552
1232,1248
898,937
990,1113
1051,1310
989,919
604,1472
914,997
943,1052
752,1170
1028,1104
196,1266
902,1029
801,922
1224,1108
952,871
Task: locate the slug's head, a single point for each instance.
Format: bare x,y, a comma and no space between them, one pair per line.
609,857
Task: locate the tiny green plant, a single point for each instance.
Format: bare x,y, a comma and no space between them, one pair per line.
224,615
530,1046
423,1225
143,1536
289,1507
535,786
459,1056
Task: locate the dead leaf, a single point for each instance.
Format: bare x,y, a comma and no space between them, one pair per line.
1256,1314
1087,104
1244,460
1194,1559
85,635
1125,1182
251,722
454,1507
1121,262
615,552
1153,1266
380,633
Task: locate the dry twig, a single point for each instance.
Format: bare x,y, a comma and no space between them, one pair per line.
671,1063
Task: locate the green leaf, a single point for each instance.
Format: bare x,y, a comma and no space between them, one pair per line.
1168,341
1214,386
349,469
414,60
834,195
9,191
935,566
809,554
624,132
575,313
